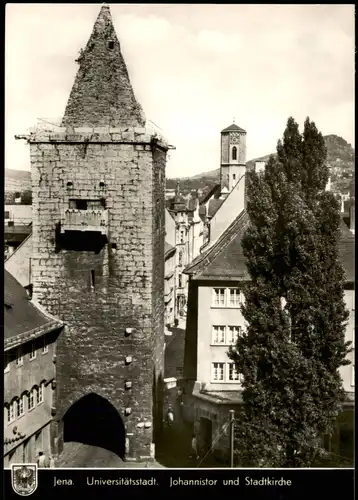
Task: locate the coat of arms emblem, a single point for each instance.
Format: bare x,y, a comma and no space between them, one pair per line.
24,478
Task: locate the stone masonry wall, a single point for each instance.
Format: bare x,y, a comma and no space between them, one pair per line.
91,353
158,267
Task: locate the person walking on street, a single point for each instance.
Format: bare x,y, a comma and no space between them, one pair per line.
194,447
41,461
170,416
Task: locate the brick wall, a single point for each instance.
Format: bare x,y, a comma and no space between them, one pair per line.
158,271
129,280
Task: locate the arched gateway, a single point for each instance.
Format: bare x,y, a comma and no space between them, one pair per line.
94,421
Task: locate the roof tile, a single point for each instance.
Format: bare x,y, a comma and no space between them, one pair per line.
22,316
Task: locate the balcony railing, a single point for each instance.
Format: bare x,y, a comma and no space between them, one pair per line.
85,220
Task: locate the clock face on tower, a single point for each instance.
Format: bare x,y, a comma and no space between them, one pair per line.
235,138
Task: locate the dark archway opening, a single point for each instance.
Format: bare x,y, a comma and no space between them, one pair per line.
93,421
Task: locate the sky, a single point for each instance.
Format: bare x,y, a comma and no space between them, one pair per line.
194,69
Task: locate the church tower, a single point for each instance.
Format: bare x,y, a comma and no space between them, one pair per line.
98,255
233,156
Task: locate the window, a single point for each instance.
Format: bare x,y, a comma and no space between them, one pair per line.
31,399
179,371
11,412
19,357
78,204
219,297
44,345
111,45
180,281
233,333
33,351
233,373
234,297
180,259
182,235
20,407
234,153
218,372
40,394
7,214
227,297
233,177
218,334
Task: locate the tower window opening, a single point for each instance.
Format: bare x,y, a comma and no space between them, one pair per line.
79,204
111,44
69,184
234,153
92,278
233,177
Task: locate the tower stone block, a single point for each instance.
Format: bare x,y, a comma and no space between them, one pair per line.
98,249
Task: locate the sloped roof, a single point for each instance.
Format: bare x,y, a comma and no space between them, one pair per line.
102,94
168,250
183,203
21,315
214,191
233,128
225,259
214,206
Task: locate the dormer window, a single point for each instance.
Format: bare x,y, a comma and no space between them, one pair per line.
234,153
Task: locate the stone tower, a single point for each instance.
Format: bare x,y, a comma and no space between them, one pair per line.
98,255
233,156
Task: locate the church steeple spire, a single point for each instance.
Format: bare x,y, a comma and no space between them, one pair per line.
102,94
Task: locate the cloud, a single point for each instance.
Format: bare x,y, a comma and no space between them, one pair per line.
139,30
193,68
218,42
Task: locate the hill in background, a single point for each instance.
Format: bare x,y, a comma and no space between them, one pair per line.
17,180
340,159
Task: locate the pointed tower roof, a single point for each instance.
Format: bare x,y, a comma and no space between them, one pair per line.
102,94
233,128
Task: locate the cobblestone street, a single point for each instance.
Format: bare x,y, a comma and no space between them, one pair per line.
78,455
174,449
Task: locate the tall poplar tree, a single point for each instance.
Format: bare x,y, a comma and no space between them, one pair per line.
294,344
